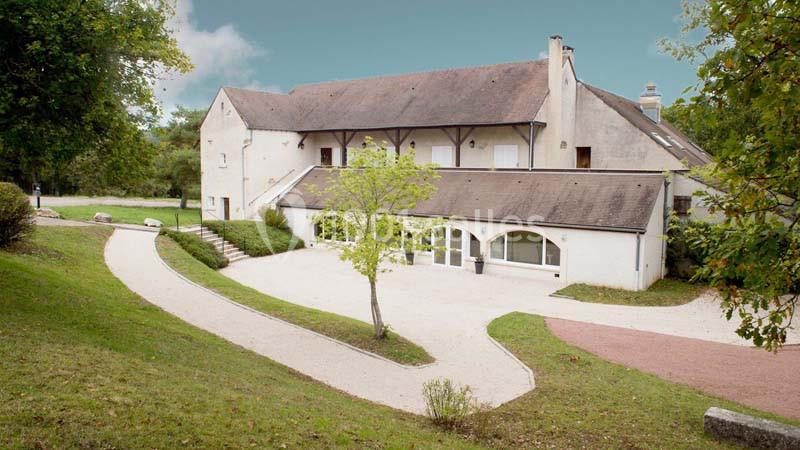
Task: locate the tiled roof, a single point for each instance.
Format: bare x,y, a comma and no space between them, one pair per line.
592,200
495,94
680,145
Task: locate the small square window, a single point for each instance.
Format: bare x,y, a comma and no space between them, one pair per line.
210,202
223,160
681,204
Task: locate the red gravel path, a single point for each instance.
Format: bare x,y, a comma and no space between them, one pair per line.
746,375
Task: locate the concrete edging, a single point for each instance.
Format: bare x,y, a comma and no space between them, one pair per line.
751,431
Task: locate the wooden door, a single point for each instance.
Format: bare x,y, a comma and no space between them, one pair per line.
226,207
326,156
584,158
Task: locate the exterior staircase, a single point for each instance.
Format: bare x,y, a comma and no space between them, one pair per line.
229,250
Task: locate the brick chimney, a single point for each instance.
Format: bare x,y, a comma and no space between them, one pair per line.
650,102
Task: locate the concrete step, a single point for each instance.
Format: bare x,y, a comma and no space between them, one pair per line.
233,254
237,258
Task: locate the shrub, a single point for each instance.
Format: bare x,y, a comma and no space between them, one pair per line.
201,250
447,404
683,257
274,218
255,238
16,214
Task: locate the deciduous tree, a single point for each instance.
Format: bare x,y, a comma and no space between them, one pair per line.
749,90
364,205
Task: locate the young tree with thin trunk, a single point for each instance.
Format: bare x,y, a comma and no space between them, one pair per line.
365,203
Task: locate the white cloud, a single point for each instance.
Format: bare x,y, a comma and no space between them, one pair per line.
543,55
220,57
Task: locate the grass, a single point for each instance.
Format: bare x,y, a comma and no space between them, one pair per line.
354,332
255,238
132,214
582,401
88,364
203,251
665,292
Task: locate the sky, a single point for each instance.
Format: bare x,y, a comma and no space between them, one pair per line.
276,45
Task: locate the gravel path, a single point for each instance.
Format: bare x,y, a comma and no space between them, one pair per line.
749,376
48,202
443,309
494,375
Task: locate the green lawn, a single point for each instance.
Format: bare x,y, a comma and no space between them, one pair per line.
582,401
88,364
666,292
85,363
132,214
354,332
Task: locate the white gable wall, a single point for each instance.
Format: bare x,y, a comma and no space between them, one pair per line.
615,142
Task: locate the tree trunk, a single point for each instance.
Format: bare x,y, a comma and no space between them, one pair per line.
183,199
377,321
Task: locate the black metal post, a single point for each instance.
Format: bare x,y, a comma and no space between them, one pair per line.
177,223
223,237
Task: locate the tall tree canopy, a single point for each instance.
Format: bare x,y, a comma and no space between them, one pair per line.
748,101
178,163
77,79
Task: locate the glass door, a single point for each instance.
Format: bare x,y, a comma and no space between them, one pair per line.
447,246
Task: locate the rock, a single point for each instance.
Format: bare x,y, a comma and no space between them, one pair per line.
47,212
153,223
102,217
750,431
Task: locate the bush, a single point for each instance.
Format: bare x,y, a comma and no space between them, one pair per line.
16,214
684,258
274,217
201,250
255,238
446,404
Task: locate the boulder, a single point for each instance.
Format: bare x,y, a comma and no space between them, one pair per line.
153,223
47,212
102,217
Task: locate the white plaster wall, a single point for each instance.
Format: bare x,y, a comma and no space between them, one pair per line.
603,258
653,246
271,159
683,185
482,156
615,142
223,131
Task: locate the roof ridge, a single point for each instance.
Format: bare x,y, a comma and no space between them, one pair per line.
420,72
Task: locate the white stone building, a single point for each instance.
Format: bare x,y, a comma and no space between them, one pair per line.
593,174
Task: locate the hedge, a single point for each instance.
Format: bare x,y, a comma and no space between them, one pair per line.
202,251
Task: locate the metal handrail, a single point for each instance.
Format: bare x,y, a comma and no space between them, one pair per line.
275,183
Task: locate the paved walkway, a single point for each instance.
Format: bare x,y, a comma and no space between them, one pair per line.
48,201
749,376
495,375
442,308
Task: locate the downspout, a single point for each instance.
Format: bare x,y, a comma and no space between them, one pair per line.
531,137
665,227
638,253
248,142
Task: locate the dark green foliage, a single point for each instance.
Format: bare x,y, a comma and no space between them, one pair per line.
748,94
16,214
77,87
255,238
683,257
178,163
202,251
275,218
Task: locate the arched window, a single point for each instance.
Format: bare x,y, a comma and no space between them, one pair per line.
525,247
